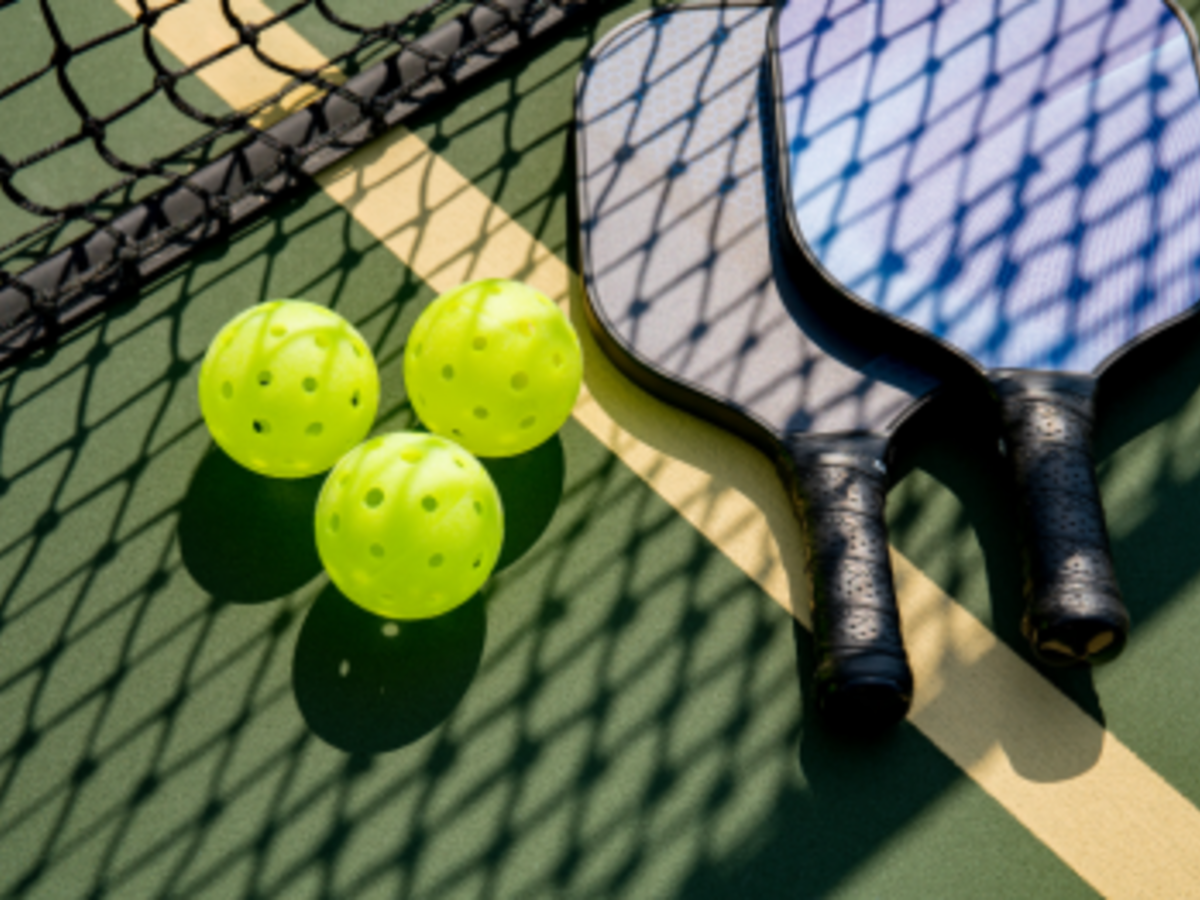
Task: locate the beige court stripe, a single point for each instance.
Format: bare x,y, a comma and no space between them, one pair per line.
1089,798
201,26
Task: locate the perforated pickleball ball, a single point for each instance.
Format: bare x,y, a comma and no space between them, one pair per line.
409,525
287,387
495,366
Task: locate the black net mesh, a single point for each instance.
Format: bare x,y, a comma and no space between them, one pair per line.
97,212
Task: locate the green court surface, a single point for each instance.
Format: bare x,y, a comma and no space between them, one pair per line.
189,708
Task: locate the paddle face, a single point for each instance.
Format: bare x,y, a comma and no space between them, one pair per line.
689,295
1020,179
682,272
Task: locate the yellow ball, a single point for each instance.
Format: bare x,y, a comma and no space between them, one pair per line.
495,366
409,525
287,387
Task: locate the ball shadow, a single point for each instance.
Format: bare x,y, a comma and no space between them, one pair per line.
246,538
369,685
531,487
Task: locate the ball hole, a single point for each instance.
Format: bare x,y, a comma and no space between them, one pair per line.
528,421
478,508
429,503
458,462
374,498
480,343
412,456
278,331
309,384
262,426
477,563
354,398
314,429
264,378
557,360
335,522
377,551
480,412
520,381
227,390
456,432
436,560
525,328
321,341
447,372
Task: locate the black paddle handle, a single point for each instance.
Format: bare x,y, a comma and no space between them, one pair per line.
839,485
1073,608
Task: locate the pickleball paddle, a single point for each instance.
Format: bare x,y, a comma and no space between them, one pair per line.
1020,181
688,295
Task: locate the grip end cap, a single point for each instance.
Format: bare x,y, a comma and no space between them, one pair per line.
868,696
1079,641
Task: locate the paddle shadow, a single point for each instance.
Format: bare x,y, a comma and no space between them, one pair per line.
959,450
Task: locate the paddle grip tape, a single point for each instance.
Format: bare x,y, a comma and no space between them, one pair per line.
1073,608
839,487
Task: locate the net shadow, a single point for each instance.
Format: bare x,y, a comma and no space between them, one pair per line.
630,727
